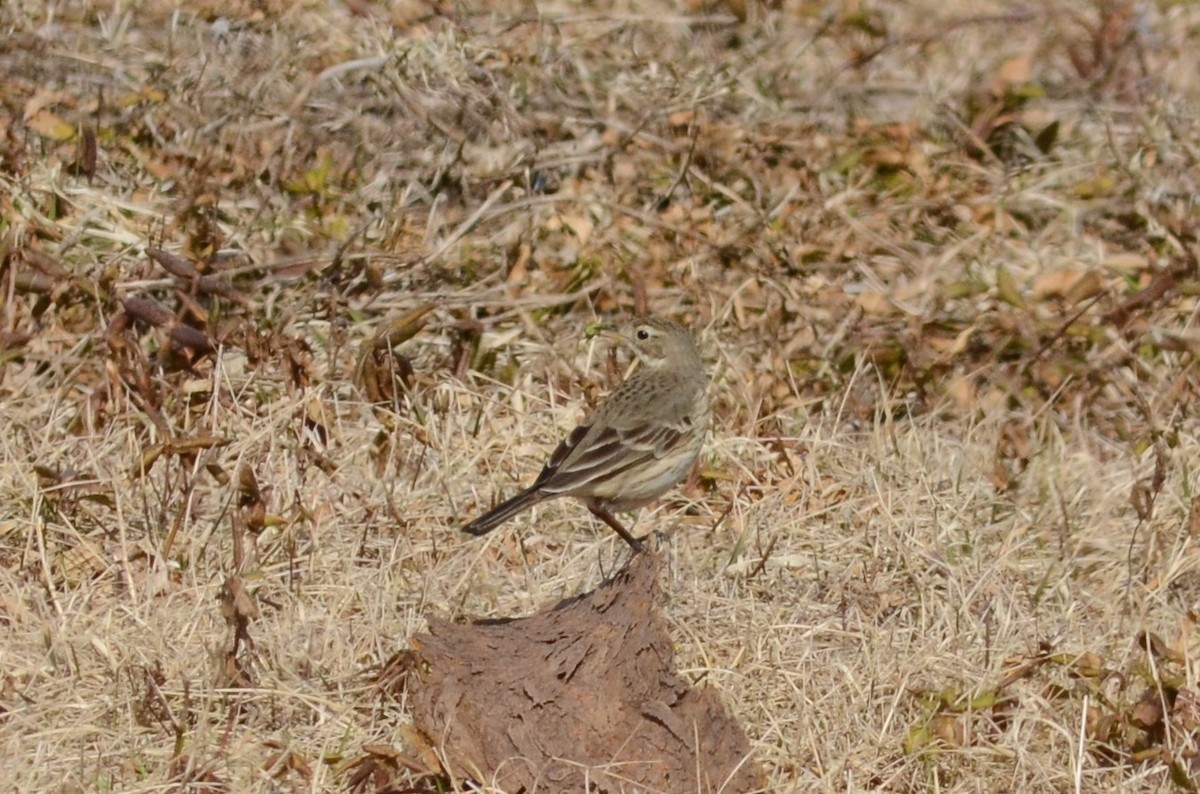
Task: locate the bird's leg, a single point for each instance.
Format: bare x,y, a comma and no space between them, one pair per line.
608,518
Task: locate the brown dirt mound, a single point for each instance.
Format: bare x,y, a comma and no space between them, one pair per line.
582,697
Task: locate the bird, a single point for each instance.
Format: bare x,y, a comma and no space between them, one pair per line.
637,443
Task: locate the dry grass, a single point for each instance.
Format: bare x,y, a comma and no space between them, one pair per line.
944,535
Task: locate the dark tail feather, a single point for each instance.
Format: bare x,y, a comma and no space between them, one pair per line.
503,511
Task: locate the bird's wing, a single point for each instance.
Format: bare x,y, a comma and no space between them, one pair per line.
585,455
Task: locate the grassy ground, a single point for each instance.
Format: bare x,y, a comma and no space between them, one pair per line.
942,260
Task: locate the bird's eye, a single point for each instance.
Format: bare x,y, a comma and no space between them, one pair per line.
643,334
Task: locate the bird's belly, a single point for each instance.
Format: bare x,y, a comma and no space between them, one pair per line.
642,484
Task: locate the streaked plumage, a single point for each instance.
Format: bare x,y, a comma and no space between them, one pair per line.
637,444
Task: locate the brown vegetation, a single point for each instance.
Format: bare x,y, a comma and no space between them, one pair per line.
290,289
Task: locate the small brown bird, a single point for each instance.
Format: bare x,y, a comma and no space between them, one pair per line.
641,440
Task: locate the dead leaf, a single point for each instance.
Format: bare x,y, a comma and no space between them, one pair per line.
1057,283
382,371
1088,665
1159,647
875,304
949,728
1148,712
961,389
50,126
317,419
580,225
1186,710
1007,288
82,562
42,99
238,606
1126,263
681,118
1012,73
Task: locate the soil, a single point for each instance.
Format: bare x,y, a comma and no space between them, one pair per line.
581,697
